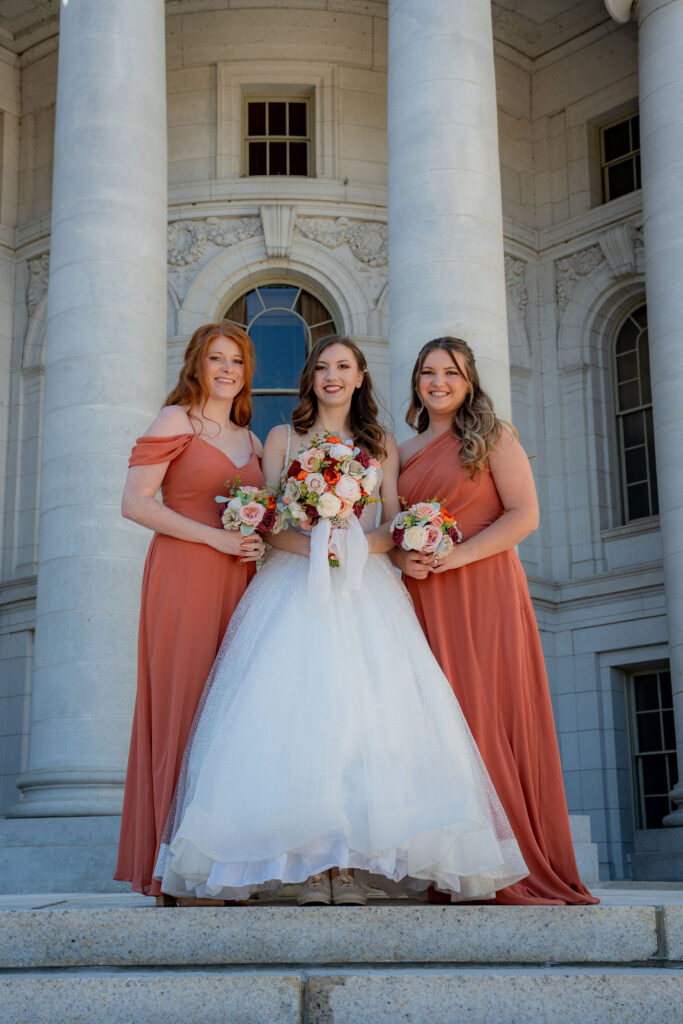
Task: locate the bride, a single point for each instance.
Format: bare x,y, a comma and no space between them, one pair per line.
327,738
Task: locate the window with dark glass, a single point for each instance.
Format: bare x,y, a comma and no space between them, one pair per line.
278,136
283,321
620,150
654,746
634,418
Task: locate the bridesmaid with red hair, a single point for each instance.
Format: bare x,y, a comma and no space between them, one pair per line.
195,573
475,609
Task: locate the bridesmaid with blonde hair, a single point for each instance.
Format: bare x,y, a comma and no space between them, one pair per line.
476,612
195,573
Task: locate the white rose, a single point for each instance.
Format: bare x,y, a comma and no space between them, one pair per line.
297,510
353,468
415,538
235,505
400,521
347,489
371,479
316,482
328,505
292,489
341,452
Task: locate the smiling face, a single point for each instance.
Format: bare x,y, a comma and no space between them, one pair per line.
442,383
223,368
336,376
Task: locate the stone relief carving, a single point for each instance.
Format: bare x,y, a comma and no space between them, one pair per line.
515,282
569,269
620,246
38,275
367,240
188,240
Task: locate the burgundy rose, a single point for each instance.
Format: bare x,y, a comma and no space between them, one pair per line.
453,534
358,510
268,521
294,469
363,459
397,537
311,512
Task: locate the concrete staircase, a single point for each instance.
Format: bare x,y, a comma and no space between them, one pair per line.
129,963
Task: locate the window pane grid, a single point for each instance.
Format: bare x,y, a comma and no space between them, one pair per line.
277,139
620,152
634,418
653,738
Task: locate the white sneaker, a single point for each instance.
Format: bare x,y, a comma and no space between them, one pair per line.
315,889
346,891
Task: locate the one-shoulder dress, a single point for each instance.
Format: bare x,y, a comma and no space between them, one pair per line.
189,592
481,627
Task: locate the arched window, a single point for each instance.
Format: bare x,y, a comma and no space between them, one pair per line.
634,418
283,320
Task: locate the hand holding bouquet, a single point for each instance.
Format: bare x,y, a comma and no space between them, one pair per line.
426,527
249,509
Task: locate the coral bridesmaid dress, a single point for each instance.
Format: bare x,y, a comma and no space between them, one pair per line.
480,624
189,592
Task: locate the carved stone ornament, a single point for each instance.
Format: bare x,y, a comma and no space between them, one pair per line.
278,224
38,275
515,282
618,246
367,240
188,240
569,269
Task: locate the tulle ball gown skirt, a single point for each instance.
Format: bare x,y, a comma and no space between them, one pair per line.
328,735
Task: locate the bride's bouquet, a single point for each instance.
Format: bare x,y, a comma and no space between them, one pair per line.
328,485
426,527
329,479
249,509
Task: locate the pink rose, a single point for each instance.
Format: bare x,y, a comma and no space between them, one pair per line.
437,521
348,489
252,514
345,510
433,538
316,482
309,460
425,510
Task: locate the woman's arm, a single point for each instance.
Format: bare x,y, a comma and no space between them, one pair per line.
379,540
511,472
274,454
140,504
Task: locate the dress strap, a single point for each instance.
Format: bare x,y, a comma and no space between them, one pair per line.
289,444
251,441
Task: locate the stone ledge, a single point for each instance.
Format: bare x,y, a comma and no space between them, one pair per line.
387,934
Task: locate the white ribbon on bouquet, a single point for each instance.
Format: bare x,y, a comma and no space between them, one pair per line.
350,546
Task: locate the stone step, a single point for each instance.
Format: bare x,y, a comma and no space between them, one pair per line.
494,995
264,937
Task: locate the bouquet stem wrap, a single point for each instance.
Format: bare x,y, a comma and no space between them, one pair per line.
351,548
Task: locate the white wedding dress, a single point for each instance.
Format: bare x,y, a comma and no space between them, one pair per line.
328,735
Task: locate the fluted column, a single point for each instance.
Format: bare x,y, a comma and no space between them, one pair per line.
446,261
104,378
660,70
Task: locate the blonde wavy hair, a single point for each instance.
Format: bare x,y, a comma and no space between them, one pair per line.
475,423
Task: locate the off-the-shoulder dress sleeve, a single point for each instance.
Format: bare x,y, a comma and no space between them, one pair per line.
150,450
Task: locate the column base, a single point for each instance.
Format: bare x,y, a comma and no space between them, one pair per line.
69,793
53,855
658,855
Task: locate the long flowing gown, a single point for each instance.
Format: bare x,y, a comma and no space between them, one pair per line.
328,735
189,592
480,624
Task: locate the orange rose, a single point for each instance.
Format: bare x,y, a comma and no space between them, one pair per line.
333,439
302,475
446,516
331,475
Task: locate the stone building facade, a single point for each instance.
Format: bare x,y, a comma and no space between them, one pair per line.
479,163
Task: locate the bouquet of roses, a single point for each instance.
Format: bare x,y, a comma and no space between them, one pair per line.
248,509
426,527
329,479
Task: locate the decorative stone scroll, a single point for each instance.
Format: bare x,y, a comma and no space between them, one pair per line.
367,240
188,240
569,269
278,224
38,275
515,282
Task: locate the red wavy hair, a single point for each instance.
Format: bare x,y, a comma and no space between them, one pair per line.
191,390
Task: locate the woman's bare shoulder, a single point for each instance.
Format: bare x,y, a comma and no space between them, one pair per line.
170,421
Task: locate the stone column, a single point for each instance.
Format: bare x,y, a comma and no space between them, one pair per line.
660,60
104,380
446,261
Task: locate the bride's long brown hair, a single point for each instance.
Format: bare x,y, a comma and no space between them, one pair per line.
475,423
191,390
367,433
